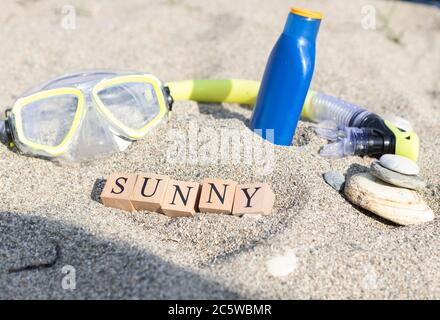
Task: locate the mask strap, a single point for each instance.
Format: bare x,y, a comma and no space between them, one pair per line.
6,135
3,135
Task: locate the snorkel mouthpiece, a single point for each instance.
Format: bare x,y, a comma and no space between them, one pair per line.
386,137
381,139
360,142
376,137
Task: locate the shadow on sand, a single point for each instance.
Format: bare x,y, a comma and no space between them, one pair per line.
34,250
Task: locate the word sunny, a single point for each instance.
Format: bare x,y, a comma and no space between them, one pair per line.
174,198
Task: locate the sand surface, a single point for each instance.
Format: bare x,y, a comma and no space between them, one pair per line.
315,245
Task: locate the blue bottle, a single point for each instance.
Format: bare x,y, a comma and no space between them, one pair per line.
287,78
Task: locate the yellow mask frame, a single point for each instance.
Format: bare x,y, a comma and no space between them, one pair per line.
61,148
131,133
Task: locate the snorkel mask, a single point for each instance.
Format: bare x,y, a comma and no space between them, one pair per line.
88,114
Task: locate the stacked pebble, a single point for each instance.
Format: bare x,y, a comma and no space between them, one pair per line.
390,191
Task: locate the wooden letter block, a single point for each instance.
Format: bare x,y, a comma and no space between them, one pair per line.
117,191
181,199
149,192
217,196
255,198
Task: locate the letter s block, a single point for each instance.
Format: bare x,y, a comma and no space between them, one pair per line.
181,199
255,198
149,191
117,191
217,196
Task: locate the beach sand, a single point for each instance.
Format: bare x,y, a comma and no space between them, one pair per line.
51,216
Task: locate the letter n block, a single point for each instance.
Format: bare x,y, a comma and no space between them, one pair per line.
117,191
255,198
217,196
181,199
149,191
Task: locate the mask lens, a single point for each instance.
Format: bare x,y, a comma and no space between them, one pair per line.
134,104
47,121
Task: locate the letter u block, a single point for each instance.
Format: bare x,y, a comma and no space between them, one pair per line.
217,196
117,191
149,192
181,199
255,198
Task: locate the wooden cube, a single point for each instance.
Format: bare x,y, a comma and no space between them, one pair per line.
117,191
149,192
217,196
181,199
253,198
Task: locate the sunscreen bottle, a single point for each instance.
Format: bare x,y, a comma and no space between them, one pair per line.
287,78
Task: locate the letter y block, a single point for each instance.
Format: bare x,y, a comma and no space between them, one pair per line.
255,198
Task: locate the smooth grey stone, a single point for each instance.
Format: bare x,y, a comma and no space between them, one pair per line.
399,164
395,178
335,179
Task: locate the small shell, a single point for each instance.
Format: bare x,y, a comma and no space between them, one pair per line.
402,206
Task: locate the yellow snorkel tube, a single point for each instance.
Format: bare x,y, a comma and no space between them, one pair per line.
384,136
215,91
